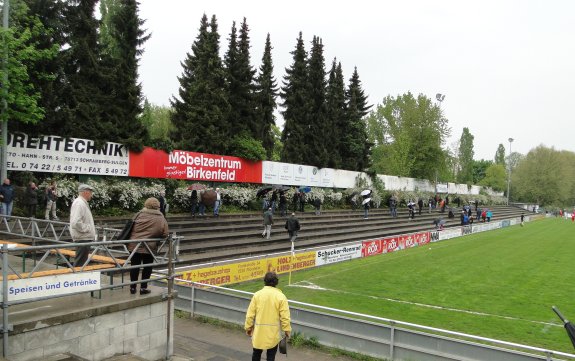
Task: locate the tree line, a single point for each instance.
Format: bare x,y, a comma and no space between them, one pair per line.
75,75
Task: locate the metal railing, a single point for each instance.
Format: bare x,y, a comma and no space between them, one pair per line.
361,333
49,241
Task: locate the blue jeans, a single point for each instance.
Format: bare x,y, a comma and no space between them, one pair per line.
217,208
7,208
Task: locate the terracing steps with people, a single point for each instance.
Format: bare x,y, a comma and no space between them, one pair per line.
239,235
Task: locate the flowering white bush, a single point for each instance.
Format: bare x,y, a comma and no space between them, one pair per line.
129,195
239,196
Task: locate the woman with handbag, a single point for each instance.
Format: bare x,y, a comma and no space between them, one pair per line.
148,223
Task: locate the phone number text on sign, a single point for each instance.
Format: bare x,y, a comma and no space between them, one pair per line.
60,155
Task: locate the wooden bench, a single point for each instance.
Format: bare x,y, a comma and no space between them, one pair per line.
72,253
59,271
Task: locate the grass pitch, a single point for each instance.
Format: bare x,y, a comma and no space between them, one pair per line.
499,284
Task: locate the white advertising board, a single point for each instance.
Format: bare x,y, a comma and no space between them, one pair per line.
449,233
338,254
29,288
60,155
296,174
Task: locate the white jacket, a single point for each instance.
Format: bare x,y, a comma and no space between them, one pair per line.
82,226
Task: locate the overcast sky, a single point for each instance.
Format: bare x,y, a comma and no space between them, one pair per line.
507,68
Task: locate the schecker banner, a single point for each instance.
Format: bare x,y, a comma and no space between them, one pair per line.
338,254
152,163
395,243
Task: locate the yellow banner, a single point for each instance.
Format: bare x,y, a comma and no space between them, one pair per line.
245,271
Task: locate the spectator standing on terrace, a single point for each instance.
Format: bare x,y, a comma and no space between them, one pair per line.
317,206
82,226
274,201
194,202
51,200
483,215
478,213
267,315
301,201
202,206
489,215
7,197
149,223
292,226
283,204
430,201
268,222
365,210
420,205
162,200
411,207
218,203
31,198
393,207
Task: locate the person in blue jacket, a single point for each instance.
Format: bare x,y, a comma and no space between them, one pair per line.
7,197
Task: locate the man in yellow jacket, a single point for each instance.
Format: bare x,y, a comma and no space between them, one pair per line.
267,314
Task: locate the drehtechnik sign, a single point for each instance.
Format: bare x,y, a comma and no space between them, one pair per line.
38,287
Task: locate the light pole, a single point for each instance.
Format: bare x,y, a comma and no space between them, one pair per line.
439,97
4,152
509,169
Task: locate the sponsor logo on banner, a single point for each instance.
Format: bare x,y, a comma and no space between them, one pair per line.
434,236
449,233
371,248
152,163
65,155
390,245
505,223
29,288
248,270
465,230
338,254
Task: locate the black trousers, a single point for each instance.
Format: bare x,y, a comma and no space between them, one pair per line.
137,259
32,210
270,354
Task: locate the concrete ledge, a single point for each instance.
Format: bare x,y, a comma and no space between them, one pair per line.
58,311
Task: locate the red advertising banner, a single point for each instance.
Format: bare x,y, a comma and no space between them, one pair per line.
396,243
152,163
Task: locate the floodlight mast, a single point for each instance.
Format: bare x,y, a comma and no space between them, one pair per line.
509,169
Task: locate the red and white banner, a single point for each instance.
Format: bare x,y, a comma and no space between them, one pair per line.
395,243
152,163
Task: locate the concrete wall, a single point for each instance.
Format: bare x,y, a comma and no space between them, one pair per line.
140,330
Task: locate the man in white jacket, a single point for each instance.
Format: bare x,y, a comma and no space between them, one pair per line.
82,226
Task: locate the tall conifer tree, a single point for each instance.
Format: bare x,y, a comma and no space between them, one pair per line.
123,91
296,103
84,78
318,139
336,115
266,93
355,147
201,111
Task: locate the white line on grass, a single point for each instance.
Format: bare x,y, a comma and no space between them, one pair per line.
310,285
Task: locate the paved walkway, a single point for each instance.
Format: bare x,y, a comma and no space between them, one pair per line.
194,340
